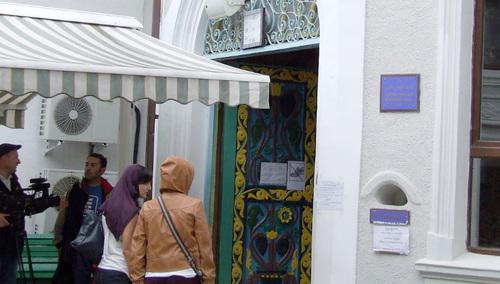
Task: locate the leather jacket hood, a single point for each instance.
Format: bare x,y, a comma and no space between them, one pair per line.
176,175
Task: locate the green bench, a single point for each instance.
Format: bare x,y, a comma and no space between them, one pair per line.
43,258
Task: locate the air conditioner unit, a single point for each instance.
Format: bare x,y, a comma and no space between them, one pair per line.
82,120
61,181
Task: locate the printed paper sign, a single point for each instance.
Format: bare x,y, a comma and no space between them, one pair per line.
296,178
273,173
393,239
329,196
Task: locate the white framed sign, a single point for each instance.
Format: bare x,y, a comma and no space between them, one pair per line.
253,28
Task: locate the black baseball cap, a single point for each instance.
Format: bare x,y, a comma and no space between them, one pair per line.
6,148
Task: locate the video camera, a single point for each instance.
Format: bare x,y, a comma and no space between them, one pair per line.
31,200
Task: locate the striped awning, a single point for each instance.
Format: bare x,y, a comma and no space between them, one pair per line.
49,52
12,109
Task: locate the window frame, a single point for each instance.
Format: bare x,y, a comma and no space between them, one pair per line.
478,148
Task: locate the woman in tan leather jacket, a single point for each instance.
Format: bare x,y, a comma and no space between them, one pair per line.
154,255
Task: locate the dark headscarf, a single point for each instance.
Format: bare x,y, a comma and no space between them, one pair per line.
121,205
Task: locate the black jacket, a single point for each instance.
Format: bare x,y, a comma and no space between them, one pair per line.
12,237
77,198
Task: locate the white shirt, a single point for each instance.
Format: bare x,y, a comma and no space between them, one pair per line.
112,256
186,273
6,181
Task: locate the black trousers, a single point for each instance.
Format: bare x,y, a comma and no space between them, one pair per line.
172,280
107,276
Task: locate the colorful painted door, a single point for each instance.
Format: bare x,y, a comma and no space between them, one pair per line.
272,225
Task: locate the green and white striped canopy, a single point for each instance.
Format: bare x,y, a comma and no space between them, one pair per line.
49,52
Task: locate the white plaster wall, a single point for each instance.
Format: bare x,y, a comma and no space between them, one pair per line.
401,37
127,133
339,125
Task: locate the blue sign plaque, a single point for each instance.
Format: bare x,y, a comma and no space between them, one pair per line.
400,92
389,217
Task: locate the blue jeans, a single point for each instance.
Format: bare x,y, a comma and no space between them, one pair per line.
8,269
106,276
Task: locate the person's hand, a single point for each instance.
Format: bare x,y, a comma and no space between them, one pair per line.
3,220
63,204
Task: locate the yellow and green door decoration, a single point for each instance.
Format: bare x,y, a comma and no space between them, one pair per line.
271,225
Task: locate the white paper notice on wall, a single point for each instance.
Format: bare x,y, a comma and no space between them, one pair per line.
273,173
329,196
296,178
392,239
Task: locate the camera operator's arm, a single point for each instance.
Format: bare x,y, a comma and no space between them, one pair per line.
40,204
8,205
3,220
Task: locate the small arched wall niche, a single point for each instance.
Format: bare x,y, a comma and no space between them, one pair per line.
391,194
392,189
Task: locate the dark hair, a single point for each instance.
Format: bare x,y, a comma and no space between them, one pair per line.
144,176
103,161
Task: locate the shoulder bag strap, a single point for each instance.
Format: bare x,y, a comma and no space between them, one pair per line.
181,244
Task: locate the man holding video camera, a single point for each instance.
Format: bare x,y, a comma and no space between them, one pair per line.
14,205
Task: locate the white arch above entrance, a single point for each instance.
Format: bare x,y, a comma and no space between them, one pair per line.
184,23
181,128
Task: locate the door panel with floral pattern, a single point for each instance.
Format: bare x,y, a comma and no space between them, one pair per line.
272,225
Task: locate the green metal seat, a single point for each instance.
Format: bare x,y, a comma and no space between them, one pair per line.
44,258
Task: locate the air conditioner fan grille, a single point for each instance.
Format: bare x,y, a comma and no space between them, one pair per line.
72,116
64,185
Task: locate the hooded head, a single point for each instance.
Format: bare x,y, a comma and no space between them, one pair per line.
121,205
176,175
